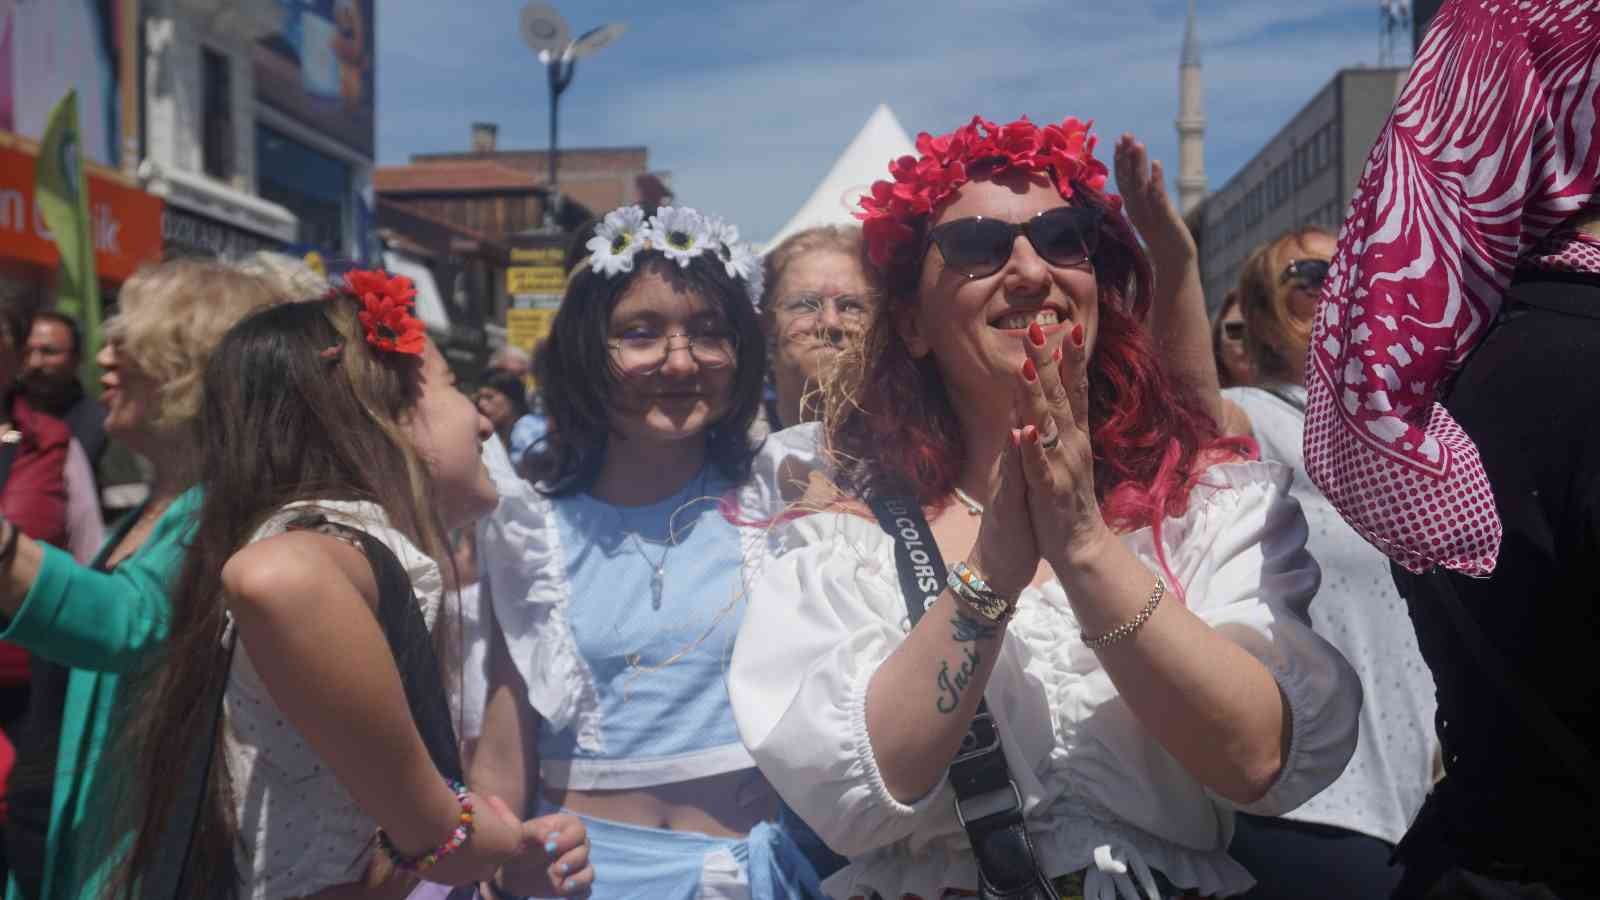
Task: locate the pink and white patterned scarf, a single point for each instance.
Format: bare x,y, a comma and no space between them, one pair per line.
1492,145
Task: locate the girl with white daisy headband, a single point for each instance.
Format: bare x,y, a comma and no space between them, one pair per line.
616,579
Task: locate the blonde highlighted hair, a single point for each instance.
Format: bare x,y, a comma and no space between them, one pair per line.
1273,337
170,317
841,239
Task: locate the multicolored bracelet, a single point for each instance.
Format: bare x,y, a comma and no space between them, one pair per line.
416,865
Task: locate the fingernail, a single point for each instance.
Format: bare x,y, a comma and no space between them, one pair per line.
569,884
1036,334
1016,438
564,869
1056,356
553,836
1031,434
1030,374
1077,335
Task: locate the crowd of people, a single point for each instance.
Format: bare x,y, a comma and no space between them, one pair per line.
952,554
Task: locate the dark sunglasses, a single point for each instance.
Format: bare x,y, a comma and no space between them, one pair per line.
979,247
1308,272
1233,331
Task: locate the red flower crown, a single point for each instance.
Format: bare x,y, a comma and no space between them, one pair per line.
386,310
922,183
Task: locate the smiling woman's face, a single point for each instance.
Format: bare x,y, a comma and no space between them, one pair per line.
974,327
682,398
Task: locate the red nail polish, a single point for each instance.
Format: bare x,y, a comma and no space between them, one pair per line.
1016,438
1077,335
1029,373
1032,434
1036,334
1056,356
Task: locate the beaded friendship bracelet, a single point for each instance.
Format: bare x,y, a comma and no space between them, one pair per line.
416,865
1126,629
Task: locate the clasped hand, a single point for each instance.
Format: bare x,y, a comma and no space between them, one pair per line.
1044,504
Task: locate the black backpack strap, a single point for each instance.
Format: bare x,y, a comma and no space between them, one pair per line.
411,644
988,803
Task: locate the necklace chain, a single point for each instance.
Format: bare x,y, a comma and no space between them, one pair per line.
658,567
974,508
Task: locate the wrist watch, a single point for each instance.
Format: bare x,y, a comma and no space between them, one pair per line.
970,588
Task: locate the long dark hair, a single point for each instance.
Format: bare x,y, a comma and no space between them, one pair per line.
576,372
297,407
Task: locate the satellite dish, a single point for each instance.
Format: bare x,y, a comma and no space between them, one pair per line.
543,29
596,38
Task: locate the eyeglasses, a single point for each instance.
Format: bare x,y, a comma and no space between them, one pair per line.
641,352
1233,331
979,247
1308,273
848,307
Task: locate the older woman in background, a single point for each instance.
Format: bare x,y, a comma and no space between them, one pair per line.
818,296
88,626
1339,842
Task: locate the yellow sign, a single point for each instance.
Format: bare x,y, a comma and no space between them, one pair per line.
525,328
550,256
535,280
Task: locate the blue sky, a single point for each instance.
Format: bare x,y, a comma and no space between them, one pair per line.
747,104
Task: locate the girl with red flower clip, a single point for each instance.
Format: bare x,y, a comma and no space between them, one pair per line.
338,455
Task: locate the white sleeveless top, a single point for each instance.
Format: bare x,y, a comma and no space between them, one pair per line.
299,829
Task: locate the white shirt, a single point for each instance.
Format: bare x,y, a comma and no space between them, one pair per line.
1359,611
827,611
299,830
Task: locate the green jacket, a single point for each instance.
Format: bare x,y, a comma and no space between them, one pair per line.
101,625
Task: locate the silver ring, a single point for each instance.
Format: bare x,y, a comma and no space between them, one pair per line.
1051,442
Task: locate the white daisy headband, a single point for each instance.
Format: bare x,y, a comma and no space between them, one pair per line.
681,234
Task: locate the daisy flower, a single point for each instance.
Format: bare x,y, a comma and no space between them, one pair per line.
616,239
678,232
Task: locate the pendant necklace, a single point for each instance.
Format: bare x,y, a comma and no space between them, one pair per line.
658,578
658,567
974,508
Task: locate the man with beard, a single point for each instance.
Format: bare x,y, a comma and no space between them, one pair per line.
50,381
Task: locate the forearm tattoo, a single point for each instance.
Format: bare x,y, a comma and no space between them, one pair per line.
952,685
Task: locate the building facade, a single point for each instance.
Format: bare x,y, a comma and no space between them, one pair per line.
1305,175
480,218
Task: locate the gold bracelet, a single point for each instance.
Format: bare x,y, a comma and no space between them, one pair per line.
1126,629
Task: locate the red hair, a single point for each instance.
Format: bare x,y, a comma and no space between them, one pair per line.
892,429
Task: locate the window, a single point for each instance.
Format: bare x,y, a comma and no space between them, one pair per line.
216,128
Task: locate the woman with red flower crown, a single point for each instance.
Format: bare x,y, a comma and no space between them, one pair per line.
1127,589
296,739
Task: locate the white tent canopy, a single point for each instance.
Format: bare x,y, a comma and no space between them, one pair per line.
864,161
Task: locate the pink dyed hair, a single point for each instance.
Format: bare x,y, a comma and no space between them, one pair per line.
894,430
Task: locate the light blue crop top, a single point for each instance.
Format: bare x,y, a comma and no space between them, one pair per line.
659,673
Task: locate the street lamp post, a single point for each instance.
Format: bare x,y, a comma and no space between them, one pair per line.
547,34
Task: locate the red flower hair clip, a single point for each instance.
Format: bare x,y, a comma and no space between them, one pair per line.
945,163
386,310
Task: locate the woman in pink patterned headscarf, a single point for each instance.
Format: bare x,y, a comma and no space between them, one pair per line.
1468,275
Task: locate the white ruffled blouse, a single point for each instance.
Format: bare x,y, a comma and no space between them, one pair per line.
827,611
524,583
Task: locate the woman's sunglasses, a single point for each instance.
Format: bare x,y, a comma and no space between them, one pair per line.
979,247
1308,273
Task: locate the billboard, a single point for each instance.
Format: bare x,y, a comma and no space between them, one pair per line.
48,47
317,68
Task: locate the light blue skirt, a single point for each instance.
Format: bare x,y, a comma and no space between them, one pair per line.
631,861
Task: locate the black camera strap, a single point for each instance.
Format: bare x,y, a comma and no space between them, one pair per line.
988,803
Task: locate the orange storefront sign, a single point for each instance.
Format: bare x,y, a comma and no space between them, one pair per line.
126,221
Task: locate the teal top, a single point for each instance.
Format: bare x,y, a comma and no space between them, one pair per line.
102,625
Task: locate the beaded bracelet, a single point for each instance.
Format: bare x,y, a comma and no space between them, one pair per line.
416,865
1126,629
